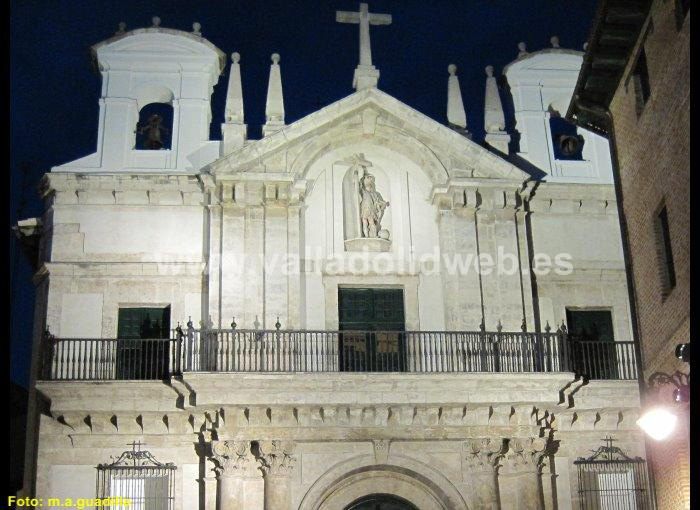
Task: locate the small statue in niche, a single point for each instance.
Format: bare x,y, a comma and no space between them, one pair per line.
372,207
154,130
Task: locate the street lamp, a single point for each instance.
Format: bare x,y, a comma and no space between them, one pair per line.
660,421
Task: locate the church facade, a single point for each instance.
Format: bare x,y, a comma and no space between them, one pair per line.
363,307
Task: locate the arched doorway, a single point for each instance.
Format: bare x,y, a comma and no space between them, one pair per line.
380,502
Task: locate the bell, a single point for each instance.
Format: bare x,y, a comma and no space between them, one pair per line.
570,145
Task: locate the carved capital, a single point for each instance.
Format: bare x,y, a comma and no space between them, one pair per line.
277,457
483,454
234,458
525,455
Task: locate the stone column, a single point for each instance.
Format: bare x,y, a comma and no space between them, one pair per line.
236,466
277,464
481,460
522,464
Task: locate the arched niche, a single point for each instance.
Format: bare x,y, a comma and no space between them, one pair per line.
401,477
358,235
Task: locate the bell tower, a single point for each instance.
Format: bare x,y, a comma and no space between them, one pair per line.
154,65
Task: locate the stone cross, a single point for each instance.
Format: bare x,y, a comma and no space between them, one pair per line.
356,160
366,73
364,19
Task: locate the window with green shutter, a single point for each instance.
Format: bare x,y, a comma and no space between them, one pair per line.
373,319
143,349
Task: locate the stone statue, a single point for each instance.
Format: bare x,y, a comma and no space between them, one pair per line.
154,130
372,207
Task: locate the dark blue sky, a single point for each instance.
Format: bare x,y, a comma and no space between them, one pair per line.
54,91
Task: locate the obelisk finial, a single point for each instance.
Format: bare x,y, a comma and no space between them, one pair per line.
274,107
494,119
456,114
234,130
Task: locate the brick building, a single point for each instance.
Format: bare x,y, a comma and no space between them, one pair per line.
634,87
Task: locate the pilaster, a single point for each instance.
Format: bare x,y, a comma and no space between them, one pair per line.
481,461
237,472
458,252
520,475
278,462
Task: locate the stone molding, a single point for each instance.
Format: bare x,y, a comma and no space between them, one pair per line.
122,189
235,459
391,110
277,457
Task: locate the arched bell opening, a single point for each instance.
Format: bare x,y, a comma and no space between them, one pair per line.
154,127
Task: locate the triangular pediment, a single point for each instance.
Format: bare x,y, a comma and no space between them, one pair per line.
370,115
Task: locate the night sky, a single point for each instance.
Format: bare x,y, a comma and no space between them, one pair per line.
55,92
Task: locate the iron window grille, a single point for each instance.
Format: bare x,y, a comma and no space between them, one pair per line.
609,479
137,481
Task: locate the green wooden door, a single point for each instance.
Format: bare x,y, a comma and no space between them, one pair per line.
372,320
594,351
143,349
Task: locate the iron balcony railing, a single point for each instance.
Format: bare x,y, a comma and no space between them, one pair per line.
289,351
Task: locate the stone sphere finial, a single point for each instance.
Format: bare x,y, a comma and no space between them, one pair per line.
523,49
555,41
235,57
452,69
489,71
156,21
275,57
122,27
196,28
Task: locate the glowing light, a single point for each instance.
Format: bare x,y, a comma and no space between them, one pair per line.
658,423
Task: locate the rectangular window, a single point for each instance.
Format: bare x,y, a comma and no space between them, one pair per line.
640,75
143,346
594,350
663,241
590,325
137,481
371,321
682,8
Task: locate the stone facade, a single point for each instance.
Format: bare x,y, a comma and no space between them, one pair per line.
442,441
257,235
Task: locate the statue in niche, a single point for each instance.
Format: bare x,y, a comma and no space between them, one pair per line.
363,208
372,207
